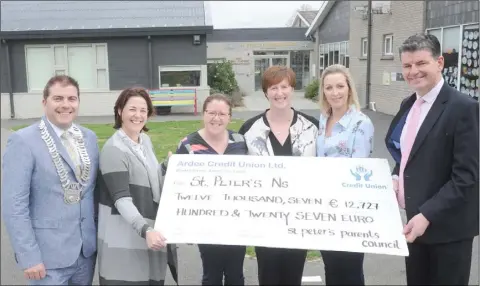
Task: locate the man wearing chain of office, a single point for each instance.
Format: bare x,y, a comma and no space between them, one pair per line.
49,174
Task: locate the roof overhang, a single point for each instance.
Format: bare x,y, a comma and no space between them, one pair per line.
105,33
321,15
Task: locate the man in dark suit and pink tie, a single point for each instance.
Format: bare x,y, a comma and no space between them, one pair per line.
434,139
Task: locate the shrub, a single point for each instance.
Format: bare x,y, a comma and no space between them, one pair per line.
311,91
237,97
221,78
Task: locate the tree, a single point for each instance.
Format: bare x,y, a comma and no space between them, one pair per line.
305,7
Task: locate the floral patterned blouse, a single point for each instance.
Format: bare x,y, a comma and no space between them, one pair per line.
351,136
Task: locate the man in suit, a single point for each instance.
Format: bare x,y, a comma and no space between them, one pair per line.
434,140
49,174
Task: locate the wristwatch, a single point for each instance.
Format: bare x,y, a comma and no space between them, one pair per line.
149,229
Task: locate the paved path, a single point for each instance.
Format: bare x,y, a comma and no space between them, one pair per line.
379,269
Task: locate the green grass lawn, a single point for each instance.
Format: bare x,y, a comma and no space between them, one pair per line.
165,137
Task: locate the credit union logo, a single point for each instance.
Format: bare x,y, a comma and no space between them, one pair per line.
363,178
361,172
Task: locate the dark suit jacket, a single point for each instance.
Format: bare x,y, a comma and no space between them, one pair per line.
441,175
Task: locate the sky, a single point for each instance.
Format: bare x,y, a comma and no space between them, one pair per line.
251,14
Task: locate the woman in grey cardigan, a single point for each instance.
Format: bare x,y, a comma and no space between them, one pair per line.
130,251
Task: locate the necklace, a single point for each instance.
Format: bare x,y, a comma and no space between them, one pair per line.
72,191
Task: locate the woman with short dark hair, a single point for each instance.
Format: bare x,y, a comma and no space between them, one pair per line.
130,182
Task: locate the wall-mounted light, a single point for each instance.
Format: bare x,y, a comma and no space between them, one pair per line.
196,39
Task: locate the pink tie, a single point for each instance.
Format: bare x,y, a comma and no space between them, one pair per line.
409,139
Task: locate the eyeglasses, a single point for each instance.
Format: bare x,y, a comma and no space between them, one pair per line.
212,114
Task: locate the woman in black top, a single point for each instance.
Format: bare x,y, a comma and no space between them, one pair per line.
216,139
280,131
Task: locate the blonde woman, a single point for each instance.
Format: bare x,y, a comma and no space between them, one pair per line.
344,131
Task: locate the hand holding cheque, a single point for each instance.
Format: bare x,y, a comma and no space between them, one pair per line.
155,240
305,203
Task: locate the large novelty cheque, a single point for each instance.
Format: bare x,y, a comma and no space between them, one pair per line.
288,202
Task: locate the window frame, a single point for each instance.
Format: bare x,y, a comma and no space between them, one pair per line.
364,47
216,60
347,55
55,68
180,68
52,59
321,62
385,48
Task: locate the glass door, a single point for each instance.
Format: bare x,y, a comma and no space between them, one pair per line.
261,65
279,61
264,60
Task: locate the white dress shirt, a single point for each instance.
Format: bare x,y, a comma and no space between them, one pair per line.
59,132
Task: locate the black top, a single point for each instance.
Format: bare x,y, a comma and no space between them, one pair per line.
195,144
279,149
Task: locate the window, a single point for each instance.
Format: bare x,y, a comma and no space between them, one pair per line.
320,59
331,49
325,55
333,53
80,62
336,53
388,45
86,63
469,77
437,33
364,47
347,57
459,46
342,53
176,76
451,38
39,58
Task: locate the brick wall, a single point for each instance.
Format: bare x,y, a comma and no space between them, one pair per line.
406,18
